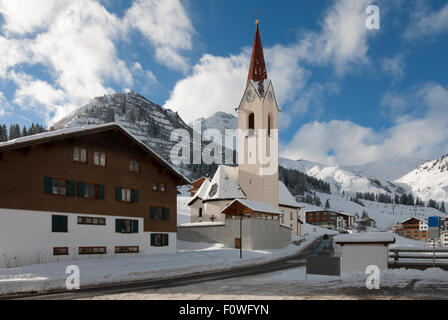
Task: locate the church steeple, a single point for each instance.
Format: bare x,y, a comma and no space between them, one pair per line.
257,69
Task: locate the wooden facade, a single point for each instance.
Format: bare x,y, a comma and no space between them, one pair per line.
26,168
410,229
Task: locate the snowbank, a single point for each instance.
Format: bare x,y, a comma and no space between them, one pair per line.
191,258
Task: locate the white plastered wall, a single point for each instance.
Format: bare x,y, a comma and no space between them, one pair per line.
26,238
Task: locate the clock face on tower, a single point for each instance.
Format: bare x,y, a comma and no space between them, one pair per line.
250,96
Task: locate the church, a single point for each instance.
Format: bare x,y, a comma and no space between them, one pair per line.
251,189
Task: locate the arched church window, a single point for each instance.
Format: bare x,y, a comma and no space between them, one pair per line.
269,125
200,212
251,123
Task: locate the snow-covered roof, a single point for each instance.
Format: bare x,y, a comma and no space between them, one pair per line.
78,131
224,185
366,237
255,206
420,220
202,191
285,198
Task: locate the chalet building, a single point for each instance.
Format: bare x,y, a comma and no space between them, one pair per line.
330,219
82,192
413,228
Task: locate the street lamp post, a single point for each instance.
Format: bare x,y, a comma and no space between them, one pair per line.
241,231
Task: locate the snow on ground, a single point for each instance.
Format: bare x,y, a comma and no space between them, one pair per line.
183,211
190,258
295,284
405,242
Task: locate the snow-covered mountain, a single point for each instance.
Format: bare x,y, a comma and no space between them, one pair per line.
220,121
386,170
429,180
341,179
146,120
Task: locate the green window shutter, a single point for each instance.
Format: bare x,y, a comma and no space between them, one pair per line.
165,239
48,185
118,225
118,193
71,189
101,192
81,189
59,223
153,239
153,213
135,196
166,213
134,226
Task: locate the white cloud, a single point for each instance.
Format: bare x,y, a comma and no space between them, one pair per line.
343,40
216,84
426,22
75,41
346,143
394,66
4,105
167,26
27,16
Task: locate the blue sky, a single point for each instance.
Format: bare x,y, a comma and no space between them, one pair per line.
350,95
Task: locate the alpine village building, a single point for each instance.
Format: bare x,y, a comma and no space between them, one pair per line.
245,188
83,192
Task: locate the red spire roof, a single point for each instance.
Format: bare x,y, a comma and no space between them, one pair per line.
257,69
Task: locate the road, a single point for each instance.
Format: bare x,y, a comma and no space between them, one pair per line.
319,246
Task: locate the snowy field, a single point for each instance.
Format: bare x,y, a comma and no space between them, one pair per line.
191,258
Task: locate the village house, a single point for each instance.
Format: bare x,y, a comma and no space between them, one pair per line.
413,228
83,192
330,219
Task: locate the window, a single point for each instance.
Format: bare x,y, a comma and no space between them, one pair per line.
99,158
134,166
291,214
92,221
90,190
251,125
134,249
162,187
200,212
126,195
60,251
156,213
59,187
155,186
126,226
80,154
92,250
269,125
159,239
59,223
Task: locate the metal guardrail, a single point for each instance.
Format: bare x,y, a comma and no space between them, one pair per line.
403,256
